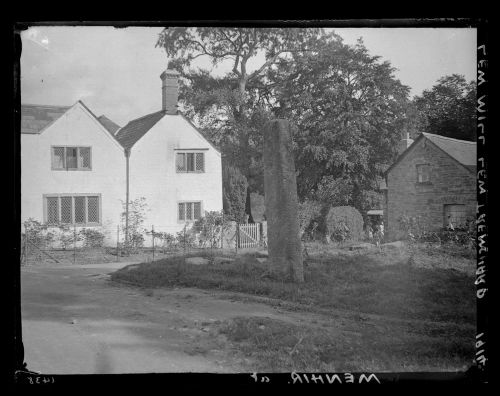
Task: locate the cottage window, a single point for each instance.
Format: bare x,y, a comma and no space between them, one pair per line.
190,162
73,209
71,158
189,211
423,173
455,215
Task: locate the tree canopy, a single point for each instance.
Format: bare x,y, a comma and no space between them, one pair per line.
349,111
347,108
449,108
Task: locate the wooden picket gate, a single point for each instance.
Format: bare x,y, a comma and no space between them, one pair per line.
249,235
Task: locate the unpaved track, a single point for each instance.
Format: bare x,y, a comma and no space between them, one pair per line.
76,321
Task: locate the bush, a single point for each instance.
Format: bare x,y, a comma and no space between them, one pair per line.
344,223
37,233
136,215
234,192
418,231
67,236
309,212
92,238
186,238
210,228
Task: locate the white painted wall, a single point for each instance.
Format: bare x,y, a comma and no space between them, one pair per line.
107,177
153,173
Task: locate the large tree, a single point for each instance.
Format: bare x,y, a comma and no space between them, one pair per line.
349,111
449,108
229,108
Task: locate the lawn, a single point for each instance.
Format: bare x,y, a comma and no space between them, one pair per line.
376,312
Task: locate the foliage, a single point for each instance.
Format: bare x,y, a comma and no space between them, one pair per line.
136,216
418,231
309,212
186,238
232,109
210,228
38,233
349,111
68,236
449,108
165,238
234,190
344,223
92,238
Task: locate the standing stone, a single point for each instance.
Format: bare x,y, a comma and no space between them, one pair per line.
280,188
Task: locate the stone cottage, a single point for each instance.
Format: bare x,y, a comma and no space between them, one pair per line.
434,177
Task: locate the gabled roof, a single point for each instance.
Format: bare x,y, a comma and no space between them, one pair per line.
108,124
462,151
34,118
136,129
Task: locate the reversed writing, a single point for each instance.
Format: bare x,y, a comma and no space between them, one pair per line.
345,378
480,350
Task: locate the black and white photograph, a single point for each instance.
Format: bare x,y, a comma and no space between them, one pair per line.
258,199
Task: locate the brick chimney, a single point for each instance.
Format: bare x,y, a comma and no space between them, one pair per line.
169,91
404,143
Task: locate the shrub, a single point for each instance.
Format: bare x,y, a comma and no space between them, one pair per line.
186,238
92,238
210,227
164,238
309,212
136,216
344,223
67,236
37,233
234,186
418,231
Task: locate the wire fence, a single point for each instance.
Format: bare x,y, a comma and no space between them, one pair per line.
72,245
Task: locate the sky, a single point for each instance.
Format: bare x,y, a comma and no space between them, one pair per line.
116,72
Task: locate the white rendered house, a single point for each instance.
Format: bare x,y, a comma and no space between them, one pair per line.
78,169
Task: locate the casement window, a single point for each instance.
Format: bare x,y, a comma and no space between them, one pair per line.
71,158
190,162
82,209
423,173
189,211
454,214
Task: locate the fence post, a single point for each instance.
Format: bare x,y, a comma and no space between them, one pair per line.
74,244
25,247
184,239
117,242
153,233
222,232
237,236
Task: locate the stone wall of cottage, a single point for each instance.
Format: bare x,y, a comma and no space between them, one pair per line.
450,183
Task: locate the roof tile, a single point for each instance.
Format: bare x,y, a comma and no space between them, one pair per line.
136,129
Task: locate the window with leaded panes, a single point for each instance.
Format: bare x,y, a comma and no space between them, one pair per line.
71,158
73,209
189,211
190,162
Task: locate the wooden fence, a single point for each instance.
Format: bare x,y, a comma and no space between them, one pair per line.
249,235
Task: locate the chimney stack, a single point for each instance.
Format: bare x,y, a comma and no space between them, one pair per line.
169,91
405,143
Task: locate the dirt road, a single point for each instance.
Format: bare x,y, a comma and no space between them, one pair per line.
76,321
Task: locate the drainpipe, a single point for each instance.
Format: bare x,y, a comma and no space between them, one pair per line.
127,159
